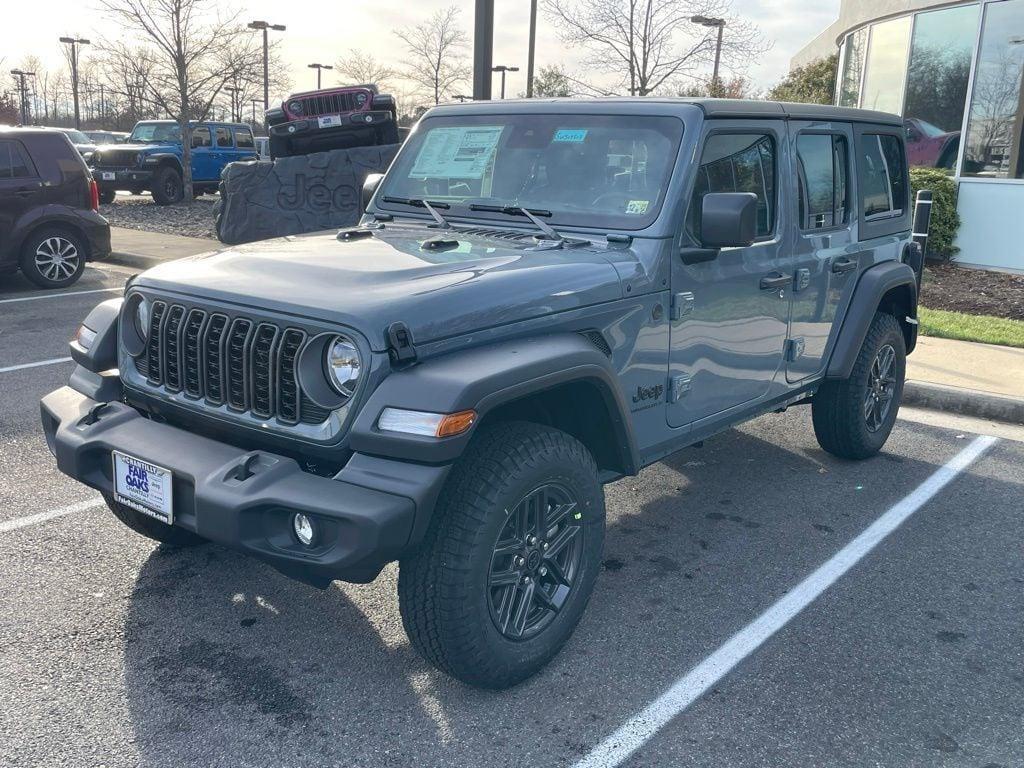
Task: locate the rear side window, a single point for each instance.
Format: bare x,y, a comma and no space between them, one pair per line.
823,175
243,138
737,162
14,161
883,173
224,138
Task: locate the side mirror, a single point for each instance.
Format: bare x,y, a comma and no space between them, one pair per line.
369,187
728,219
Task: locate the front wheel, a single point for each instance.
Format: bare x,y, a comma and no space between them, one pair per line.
853,417
168,187
510,560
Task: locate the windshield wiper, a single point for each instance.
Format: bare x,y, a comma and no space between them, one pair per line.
517,210
430,205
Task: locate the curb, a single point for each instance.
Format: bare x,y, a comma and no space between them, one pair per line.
134,260
969,402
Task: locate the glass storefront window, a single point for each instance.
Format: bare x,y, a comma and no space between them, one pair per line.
939,71
887,65
995,130
854,49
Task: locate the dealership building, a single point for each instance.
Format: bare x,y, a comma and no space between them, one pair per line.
954,71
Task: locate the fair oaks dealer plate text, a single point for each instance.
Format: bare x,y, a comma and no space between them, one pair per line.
143,487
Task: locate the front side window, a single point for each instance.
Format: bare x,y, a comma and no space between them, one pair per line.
243,138
201,137
995,130
224,138
737,162
883,174
822,177
586,170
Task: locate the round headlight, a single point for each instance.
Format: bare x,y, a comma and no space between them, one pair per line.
141,318
343,365
295,106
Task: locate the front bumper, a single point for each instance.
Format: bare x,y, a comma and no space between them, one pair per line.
122,178
360,529
328,124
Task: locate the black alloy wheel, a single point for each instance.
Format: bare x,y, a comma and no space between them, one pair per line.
535,562
881,388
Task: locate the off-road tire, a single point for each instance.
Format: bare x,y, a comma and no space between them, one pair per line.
838,408
279,146
59,240
168,187
389,133
151,528
443,589
107,196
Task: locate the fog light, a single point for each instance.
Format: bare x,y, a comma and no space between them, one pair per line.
303,528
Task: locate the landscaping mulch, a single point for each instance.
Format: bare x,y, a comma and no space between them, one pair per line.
140,212
973,291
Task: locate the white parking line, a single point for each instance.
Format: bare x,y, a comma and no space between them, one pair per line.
42,517
22,366
55,295
636,731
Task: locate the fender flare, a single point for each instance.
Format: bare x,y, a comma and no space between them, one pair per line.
871,289
482,379
162,159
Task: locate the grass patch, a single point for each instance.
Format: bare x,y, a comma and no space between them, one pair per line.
981,328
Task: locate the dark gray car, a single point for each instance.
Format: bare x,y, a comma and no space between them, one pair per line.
542,297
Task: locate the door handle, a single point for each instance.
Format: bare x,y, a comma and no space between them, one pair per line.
26,192
774,281
841,266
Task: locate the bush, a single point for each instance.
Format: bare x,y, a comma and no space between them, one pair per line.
945,220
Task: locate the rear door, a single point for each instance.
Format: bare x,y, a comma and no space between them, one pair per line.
245,145
730,314
826,253
20,187
225,146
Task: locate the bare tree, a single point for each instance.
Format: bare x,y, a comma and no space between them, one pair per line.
437,53
359,67
651,44
194,51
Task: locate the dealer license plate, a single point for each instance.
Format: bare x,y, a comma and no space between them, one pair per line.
330,121
108,176
142,486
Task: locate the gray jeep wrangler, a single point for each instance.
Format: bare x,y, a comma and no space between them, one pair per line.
542,297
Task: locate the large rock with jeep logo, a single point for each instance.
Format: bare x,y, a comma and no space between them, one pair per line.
542,297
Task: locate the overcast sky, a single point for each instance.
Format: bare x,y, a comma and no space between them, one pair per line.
320,30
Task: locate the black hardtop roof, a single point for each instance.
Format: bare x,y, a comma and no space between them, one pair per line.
648,105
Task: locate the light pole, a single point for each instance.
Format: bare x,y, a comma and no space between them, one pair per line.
74,42
236,107
22,92
706,21
319,70
503,69
483,49
532,49
266,27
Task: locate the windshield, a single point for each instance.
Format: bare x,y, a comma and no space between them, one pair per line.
77,137
585,170
156,133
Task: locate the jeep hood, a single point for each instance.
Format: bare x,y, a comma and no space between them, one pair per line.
371,282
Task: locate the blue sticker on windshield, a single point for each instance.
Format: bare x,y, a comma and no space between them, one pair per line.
570,135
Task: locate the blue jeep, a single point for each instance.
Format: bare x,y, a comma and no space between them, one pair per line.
151,159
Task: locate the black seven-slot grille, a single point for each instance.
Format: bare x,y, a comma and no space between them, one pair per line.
245,364
329,103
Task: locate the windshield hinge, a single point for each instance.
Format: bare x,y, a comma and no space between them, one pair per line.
400,345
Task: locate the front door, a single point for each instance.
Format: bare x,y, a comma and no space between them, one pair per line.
730,313
826,255
204,155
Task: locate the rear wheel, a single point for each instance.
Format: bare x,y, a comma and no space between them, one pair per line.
510,560
853,417
53,258
151,528
168,187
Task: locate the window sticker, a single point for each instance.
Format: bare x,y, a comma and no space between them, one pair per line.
570,135
637,207
462,152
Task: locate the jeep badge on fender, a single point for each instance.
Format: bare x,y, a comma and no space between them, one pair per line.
451,383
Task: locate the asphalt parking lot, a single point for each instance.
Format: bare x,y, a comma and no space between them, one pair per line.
116,652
